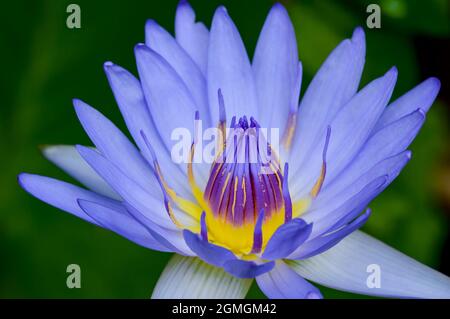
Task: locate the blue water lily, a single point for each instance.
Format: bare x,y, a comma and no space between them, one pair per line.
284,222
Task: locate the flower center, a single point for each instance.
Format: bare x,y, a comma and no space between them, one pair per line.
246,186
246,198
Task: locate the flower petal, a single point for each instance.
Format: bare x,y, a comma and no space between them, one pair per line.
171,238
61,195
191,278
422,96
159,40
229,70
192,36
286,239
130,98
339,191
117,219
170,102
149,205
349,266
355,121
326,241
353,124
115,146
284,283
212,254
247,269
331,88
349,130
275,68
131,101
67,158
392,139
352,203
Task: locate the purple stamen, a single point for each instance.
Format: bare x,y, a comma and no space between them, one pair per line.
196,130
203,228
258,234
238,188
318,186
233,122
243,122
254,123
222,113
325,148
286,195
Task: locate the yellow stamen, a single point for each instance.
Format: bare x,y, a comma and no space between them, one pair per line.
318,185
289,131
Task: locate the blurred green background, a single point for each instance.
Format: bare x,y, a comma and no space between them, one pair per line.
45,65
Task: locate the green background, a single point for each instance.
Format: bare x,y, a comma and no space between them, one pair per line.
44,65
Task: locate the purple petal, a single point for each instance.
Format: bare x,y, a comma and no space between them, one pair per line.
352,264
275,68
210,253
170,102
286,239
102,211
331,88
229,70
351,127
171,238
159,40
67,158
392,139
322,243
130,98
354,123
422,96
192,36
328,215
149,205
247,269
117,219
284,283
61,195
115,146
338,191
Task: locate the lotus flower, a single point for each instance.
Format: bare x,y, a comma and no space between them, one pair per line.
284,222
